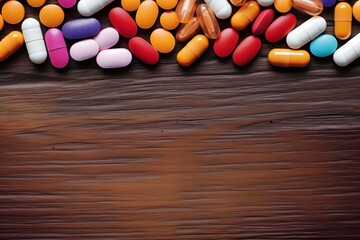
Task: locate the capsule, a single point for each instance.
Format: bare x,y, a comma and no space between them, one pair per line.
56,46
188,30
263,21
221,8
265,3
169,20
162,40
283,6
348,52
10,44
147,14
311,7
247,50
81,28
130,5
67,3
238,3
185,10
193,50
84,50
342,20
306,32
282,57
245,15
356,11
328,3
167,4
34,40
114,58
143,51
225,44
107,38
87,8
280,27
123,22
207,21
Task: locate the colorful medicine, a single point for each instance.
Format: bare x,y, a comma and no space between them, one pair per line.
238,3
169,20
81,28
328,3
311,7
246,51
67,3
34,40
13,12
282,57
225,44
143,51
348,52
123,22
306,32
87,8
221,8
263,21
167,4
84,50
147,14
162,40
192,50
207,20
114,58
245,15
265,3
107,38
342,20
51,15
185,10
10,44
36,3
188,30
56,47
356,11
130,5
1,22
283,6
280,27
323,46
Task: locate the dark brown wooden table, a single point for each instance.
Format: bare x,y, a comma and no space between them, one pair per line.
213,151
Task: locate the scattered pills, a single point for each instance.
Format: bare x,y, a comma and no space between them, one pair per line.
328,3
169,20
56,46
356,11
67,3
311,7
265,3
283,6
245,15
342,20
1,22
262,22
13,12
323,46
348,52
130,5
192,50
84,50
282,57
81,28
238,3
36,3
107,38
143,50
147,14
225,44
114,58
167,4
247,50
207,20
221,8
188,30
123,22
10,44
185,10
279,28
87,8
51,15
162,40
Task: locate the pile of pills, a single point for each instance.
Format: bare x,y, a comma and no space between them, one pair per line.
181,21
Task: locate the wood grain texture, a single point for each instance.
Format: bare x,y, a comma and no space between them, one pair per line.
213,151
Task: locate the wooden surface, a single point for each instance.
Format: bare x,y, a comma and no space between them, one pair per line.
213,151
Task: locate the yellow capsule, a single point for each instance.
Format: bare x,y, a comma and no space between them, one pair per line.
311,7
130,5
185,10
356,11
169,20
187,30
167,4
162,40
283,6
238,3
10,43
208,21
193,50
283,57
342,20
245,15
147,14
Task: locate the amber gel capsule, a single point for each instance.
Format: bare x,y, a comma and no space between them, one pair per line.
193,50
188,30
245,15
311,7
185,10
208,21
342,20
10,43
283,57
238,3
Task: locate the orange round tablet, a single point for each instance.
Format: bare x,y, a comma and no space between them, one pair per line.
130,5
162,40
13,12
51,15
169,20
36,3
1,23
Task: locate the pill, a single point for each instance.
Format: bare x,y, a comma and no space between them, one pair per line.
130,5
280,27
67,3
1,22
306,32
167,4
185,10
84,50
107,38
81,28
143,50
56,46
283,6
238,3
169,20
356,11
221,8
265,3
13,12
188,30
51,15
245,15
10,44
34,40
114,58
328,3
348,52
263,21
311,7
207,20
247,50
342,20
192,50
123,22
36,3
323,45
283,57
147,14
225,44
162,40
87,8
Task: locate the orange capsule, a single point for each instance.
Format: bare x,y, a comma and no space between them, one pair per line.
342,20
245,15
185,10
238,3
10,43
282,57
283,6
193,50
187,30
356,11
311,7
208,21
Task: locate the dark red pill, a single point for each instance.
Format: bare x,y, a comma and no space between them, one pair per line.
263,21
280,27
246,50
143,50
225,44
123,22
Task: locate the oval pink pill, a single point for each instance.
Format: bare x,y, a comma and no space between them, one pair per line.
114,58
56,46
67,3
84,50
107,38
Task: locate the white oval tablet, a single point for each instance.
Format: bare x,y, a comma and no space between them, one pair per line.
107,38
84,50
114,58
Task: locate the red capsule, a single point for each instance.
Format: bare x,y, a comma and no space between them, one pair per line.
123,22
263,21
225,44
143,50
246,50
280,27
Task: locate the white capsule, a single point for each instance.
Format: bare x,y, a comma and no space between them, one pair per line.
265,3
221,8
348,52
306,32
34,40
84,50
114,58
107,38
89,7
